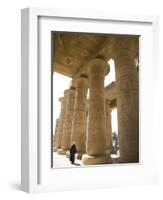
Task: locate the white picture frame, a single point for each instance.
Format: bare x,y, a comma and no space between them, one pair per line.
36,173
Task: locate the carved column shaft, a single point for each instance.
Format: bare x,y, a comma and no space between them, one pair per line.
55,134
60,124
79,123
108,127
65,144
127,99
96,132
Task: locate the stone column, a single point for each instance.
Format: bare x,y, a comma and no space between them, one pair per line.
96,132
127,98
65,143
55,134
60,124
108,127
79,122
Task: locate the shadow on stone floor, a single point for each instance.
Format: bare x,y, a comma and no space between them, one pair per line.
77,164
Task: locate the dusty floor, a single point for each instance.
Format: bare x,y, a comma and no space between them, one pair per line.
61,161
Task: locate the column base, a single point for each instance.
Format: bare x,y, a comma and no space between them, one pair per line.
108,152
121,160
79,155
96,160
54,149
61,151
68,154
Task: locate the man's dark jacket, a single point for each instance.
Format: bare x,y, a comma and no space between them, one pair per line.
73,151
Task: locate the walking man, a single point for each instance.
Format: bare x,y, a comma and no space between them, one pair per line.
73,151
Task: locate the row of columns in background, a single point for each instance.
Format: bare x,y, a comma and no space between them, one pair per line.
92,134
73,118
89,133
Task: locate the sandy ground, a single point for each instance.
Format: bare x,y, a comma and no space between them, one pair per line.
61,161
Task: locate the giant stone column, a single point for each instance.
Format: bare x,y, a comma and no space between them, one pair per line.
55,134
108,127
65,143
60,124
127,98
79,123
96,132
